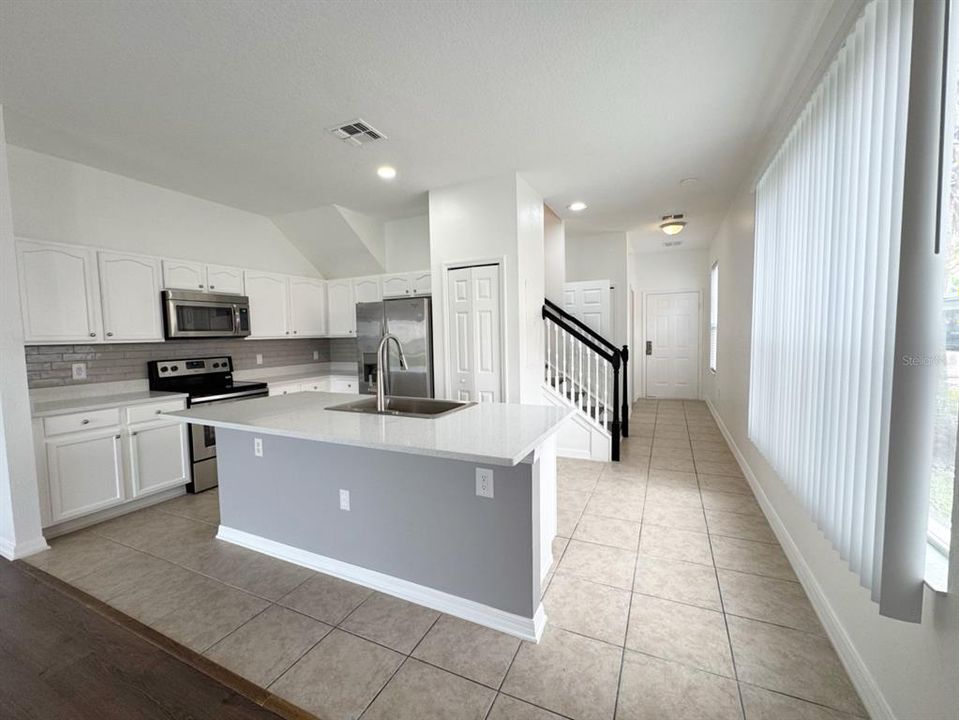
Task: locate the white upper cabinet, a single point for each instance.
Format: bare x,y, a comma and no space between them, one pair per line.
269,304
182,275
307,306
222,279
367,289
58,293
399,285
422,283
130,295
342,307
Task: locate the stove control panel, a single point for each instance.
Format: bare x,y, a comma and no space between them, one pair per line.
192,366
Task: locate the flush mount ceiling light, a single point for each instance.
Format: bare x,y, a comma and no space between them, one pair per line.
577,206
386,172
673,224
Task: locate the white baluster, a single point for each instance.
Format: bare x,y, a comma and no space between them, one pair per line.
605,391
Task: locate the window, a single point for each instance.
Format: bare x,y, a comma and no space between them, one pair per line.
713,314
827,249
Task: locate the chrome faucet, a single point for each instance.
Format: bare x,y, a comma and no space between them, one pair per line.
380,364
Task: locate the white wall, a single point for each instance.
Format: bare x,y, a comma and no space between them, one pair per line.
531,264
555,248
59,200
408,244
667,271
903,670
20,531
599,257
480,222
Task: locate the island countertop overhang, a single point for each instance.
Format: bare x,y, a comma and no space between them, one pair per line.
490,433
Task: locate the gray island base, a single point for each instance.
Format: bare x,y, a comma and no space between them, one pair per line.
406,521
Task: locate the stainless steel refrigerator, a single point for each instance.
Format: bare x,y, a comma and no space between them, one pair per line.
410,319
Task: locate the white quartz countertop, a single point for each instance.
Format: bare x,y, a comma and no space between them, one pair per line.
99,402
271,378
491,433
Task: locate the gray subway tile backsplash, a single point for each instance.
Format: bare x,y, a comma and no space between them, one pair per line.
51,365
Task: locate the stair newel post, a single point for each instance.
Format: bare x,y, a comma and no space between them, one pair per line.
625,355
616,427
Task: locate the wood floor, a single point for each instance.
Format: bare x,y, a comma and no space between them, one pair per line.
61,659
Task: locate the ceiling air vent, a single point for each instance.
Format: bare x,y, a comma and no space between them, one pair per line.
357,132
672,243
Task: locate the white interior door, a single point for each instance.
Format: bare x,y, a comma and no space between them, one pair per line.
672,336
474,324
589,302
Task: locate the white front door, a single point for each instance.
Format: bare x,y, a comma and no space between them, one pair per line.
589,302
672,345
475,370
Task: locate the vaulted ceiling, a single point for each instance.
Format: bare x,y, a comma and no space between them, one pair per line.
609,102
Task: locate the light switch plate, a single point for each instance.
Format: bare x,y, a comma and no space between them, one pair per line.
259,359
258,447
316,354
344,499
484,482
79,371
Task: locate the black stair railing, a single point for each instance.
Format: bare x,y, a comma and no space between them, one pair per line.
603,349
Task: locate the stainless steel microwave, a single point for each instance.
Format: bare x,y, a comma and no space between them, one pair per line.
191,314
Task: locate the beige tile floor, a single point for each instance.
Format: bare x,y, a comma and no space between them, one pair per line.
669,598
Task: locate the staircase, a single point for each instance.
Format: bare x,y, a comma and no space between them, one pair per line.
587,372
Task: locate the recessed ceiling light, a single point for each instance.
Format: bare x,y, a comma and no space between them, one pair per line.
578,206
672,224
386,172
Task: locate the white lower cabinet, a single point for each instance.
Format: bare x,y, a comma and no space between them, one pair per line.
159,457
91,461
85,472
343,385
283,388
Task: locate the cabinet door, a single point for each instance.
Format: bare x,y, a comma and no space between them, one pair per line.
181,275
85,472
158,457
397,285
367,289
320,385
343,385
130,294
422,283
59,297
342,308
221,279
307,306
269,304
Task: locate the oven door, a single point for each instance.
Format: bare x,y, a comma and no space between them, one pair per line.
196,315
202,442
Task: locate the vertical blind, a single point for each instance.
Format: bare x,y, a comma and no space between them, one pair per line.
828,225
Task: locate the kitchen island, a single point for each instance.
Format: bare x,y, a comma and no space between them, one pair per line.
393,503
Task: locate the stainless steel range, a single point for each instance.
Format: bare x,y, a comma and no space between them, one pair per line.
206,381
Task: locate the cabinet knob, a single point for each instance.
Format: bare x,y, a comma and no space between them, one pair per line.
116,437
287,332
85,421
109,334
294,332
133,434
159,412
93,334
212,287
201,285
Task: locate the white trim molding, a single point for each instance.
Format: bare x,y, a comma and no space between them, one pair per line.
17,551
865,684
524,628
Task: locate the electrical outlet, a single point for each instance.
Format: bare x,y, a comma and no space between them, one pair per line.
258,447
79,371
344,499
259,359
484,482
316,354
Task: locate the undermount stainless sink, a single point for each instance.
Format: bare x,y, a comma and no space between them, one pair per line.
404,407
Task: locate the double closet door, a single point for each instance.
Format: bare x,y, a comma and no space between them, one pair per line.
475,341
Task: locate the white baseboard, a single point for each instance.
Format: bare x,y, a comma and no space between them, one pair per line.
17,551
510,623
862,679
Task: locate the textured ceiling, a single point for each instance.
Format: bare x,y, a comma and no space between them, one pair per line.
610,102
